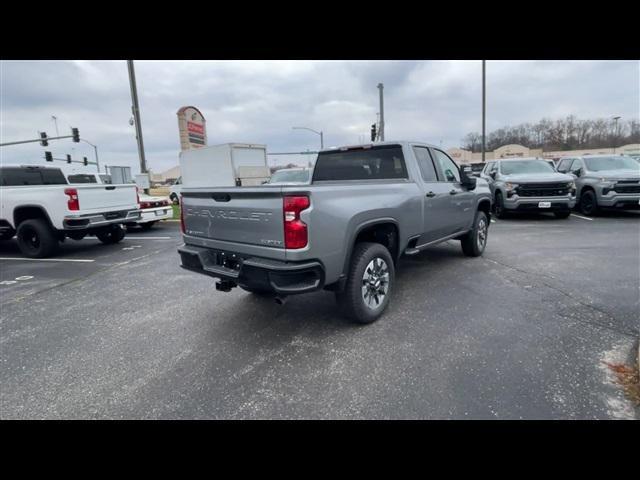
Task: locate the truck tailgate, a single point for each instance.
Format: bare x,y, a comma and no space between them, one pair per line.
252,216
100,198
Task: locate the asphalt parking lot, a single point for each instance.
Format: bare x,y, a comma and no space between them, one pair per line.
523,332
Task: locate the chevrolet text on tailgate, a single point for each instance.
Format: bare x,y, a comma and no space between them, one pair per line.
366,205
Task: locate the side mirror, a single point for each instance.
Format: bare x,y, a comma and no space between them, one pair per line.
493,174
466,180
577,172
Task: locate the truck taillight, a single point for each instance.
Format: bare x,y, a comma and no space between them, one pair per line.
73,203
295,230
182,215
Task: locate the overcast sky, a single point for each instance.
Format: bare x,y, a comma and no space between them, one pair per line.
259,101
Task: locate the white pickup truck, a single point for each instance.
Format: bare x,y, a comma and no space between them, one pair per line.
40,208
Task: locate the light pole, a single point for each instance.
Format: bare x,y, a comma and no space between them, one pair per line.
135,109
484,105
55,121
314,131
95,150
615,131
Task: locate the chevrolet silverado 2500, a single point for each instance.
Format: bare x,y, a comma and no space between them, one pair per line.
366,206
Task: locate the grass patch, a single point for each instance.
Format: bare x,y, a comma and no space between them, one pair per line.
176,212
629,378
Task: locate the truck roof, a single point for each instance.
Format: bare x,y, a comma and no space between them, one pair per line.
377,144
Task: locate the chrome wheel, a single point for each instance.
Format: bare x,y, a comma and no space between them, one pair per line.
375,283
482,234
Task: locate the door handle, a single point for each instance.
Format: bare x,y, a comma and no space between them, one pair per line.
453,192
431,194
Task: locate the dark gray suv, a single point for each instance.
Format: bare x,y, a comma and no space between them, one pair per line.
604,181
529,185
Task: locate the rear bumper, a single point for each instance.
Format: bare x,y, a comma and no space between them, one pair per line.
95,220
154,214
282,278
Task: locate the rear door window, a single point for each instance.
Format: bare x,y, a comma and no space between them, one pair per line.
427,168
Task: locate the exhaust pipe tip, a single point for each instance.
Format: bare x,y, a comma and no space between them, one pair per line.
280,300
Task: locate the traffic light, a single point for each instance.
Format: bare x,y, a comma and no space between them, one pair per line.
43,141
48,157
373,132
75,134
85,161
68,158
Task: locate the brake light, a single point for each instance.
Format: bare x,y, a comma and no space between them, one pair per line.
182,215
73,203
295,230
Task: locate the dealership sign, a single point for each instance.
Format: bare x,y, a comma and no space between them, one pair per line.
192,128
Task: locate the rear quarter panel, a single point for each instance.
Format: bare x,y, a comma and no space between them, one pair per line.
339,210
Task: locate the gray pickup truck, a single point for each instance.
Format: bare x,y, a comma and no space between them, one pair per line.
529,185
366,205
604,181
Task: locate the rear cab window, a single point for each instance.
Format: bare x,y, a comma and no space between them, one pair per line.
82,178
384,162
20,176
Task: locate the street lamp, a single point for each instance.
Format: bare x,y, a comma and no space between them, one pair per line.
615,131
314,131
95,149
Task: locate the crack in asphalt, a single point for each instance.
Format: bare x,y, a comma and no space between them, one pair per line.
623,331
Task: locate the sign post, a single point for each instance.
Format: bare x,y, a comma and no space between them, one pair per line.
192,127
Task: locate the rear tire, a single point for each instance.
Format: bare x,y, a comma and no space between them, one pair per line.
369,283
111,235
588,203
36,239
474,242
562,214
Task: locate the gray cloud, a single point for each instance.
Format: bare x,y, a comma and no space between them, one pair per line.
259,101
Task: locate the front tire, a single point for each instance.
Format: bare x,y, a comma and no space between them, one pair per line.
474,242
369,283
174,198
36,239
111,235
588,203
498,206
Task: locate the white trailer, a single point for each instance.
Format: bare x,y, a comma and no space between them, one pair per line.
226,165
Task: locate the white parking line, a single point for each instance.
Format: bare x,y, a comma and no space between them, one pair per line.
584,218
148,238
48,259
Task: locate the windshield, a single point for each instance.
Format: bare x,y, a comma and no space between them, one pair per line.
290,176
525,166
598,164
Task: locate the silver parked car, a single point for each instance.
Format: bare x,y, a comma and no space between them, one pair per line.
604,181
529,185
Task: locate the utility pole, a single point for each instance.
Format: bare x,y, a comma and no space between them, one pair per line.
484,109
136,115
55,121
381,128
